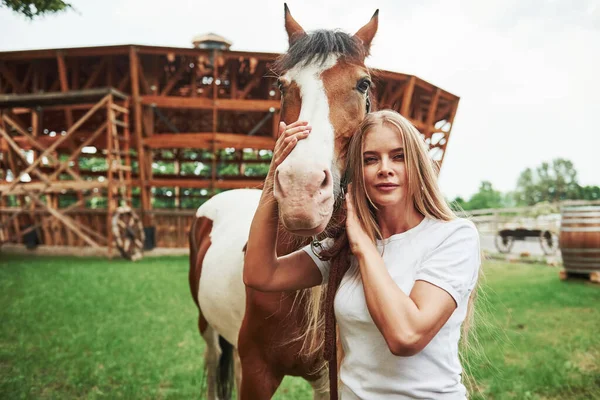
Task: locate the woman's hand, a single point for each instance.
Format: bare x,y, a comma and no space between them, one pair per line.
289,135
357,237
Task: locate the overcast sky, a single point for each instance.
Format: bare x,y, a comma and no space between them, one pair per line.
527,71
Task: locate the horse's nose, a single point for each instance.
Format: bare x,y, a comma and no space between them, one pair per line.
312,184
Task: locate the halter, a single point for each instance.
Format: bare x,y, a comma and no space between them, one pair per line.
316,244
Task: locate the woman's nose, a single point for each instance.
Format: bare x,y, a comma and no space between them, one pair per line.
385,168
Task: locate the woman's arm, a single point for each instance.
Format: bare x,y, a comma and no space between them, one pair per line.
263,270
407,322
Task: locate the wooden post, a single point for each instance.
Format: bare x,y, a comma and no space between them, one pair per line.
451,120
429,125
177,189
64,85
215,124
406,100
137,115
127,151
110,207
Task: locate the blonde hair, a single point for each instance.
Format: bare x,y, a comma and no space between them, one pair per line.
422,188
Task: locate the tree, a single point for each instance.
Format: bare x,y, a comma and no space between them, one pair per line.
589,192
36,8
486,197
550,182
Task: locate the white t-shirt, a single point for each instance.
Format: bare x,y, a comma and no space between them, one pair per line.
445,254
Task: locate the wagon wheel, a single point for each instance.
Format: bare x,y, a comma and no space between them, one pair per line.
128,232
504,243
549,242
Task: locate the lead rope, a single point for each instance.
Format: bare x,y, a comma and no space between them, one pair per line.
330,350
335,278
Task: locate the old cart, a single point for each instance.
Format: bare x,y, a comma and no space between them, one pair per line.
506,238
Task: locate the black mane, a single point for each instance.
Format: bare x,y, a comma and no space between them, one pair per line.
317,46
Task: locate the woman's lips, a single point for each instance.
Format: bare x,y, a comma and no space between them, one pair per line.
386,187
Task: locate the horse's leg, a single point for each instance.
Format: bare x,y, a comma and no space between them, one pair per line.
211,361
237,370
259,380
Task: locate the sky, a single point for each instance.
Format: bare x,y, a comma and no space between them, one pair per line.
527,71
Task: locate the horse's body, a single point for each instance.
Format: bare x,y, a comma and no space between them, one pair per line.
323,81
219,234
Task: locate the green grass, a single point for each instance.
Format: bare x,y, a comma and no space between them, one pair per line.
91,328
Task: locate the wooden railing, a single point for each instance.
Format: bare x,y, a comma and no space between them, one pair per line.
172,227
491,220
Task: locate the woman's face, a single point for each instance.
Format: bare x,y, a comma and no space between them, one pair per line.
384,169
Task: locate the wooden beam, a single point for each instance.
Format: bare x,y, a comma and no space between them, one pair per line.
17,150
68,222
110,64
396,94
123,82
35,143
451,121
138,134
258,75
183,66
208,140
11,78
64,85
75,74
95,74
208,104
72,207
407,98
27,77
62,139
177,102
56,187
431,114
205,183
142,77
247,105
65,164
383,102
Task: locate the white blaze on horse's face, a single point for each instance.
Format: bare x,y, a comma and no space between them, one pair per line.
304,182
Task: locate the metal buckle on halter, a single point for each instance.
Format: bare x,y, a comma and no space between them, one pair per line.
314,244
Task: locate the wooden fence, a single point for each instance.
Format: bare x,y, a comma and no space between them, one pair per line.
172,227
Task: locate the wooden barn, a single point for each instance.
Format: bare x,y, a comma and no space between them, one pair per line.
118,145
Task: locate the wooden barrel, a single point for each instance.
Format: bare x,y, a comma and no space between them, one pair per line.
580,239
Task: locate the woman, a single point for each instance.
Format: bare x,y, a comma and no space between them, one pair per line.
413,267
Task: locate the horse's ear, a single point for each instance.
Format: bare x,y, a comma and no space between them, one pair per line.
294,30
367,32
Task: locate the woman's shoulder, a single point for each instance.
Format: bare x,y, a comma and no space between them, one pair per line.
455,228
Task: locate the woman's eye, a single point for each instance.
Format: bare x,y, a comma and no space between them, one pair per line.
363,85
399,157
370,160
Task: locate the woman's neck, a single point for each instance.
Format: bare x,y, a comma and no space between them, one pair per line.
397,219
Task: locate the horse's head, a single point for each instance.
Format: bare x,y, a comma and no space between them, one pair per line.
323,80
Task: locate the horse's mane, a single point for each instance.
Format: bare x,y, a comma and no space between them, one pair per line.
315,47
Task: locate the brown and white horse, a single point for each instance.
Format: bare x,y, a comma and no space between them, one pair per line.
323,80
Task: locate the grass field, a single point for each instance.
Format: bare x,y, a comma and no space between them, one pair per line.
90,328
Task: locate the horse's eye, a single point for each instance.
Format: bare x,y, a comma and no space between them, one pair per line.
280,85
363,85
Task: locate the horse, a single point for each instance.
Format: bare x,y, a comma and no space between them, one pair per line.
250,335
